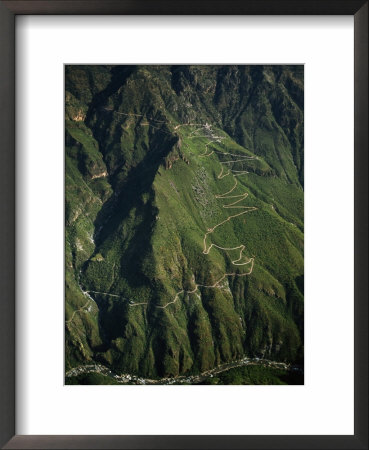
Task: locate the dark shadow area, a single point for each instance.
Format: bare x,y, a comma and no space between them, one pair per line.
113,315
120,74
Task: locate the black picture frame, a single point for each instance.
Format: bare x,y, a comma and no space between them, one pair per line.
8,11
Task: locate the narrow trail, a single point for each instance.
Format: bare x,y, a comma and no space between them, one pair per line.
208,133
150,119
212,286
136,115
104,293
82,309
138,304
117,296
87,293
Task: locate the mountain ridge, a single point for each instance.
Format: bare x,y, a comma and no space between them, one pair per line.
143,189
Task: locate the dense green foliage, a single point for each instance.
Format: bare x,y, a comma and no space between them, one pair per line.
257,374
141,192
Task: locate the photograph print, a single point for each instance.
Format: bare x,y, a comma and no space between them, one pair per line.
184,224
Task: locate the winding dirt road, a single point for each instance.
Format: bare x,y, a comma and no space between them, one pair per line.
235,204
238,198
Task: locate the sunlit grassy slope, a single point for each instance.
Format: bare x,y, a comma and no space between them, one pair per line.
148,150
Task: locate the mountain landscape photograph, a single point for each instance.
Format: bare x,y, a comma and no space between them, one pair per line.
184,224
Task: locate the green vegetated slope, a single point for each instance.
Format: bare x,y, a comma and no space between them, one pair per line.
156,156
255,375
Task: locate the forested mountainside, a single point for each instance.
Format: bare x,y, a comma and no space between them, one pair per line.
184,216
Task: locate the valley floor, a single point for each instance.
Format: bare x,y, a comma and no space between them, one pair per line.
272,369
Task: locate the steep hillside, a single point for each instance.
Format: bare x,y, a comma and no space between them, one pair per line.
184,216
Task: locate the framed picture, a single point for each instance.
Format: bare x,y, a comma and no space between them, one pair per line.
160,165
